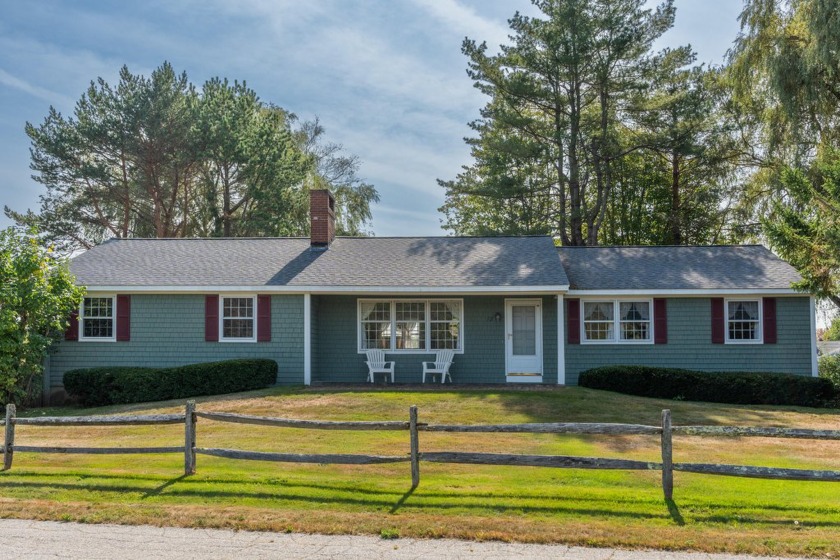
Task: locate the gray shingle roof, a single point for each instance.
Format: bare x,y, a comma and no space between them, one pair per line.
676,268
349,262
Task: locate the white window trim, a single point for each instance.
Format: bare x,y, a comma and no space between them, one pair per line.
113,337
616,302
393,303
222,337
757,340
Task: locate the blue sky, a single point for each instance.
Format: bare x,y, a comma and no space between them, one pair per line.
386,77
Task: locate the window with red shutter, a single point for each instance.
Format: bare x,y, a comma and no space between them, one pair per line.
660,321
573,321
769,319
123,318
718,321
264,318
211,318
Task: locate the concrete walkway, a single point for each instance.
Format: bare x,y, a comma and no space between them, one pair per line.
47,539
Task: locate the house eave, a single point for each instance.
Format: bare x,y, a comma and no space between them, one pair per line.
694,292
356,290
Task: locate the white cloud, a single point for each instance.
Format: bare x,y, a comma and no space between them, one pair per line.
466,21
33,90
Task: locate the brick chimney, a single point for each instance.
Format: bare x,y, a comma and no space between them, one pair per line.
322,216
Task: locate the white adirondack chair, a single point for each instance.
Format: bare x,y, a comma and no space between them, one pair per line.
376,364
443,359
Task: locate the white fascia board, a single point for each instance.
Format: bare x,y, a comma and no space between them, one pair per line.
689,293
361,290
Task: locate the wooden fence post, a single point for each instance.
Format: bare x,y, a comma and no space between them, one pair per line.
667,456
415,447
189,438
9,442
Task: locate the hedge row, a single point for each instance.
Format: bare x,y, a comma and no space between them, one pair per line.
120,385
720,387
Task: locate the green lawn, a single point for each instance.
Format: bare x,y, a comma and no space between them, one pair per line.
510,503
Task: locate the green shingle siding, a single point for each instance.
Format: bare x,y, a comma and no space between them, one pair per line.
690,344
168,330
483,360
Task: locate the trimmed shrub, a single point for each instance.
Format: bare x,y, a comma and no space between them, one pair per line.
122,385
721,387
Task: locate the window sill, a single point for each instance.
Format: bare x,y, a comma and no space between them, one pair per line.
410,352
616,342
89,339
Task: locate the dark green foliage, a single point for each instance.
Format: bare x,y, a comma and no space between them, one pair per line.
120,385
157,157
805,225
830,369
550,137
723,387
37,293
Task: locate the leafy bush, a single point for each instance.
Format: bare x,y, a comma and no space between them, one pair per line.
833,330
829,367
120,385
723,387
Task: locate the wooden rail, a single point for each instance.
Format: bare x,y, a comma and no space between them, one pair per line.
737,431
152,419
665,431
557,461
305,424
323,459
97,450
551,428
11,421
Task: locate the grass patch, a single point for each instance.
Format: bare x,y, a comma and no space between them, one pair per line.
594,508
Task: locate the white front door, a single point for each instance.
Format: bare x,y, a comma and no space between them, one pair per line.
523,340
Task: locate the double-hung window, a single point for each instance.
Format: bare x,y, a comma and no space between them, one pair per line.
97,318
617,321
743,321
410,319
238,319
598,320
410,325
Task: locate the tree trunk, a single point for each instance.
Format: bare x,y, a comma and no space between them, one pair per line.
674,219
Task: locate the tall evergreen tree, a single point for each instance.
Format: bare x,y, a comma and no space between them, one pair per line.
559,99
694,151
154,157
251,164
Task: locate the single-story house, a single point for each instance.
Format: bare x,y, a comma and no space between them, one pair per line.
513,309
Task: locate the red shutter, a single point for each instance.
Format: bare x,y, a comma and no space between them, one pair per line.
660,321
263,318
211,318
573,321
123,318
769,326
718,321
72,332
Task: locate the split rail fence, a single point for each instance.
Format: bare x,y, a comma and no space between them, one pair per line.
665,432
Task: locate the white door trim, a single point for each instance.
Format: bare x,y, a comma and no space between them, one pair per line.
307,339
518,377
561,341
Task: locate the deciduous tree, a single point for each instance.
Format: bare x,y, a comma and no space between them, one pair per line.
37,294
